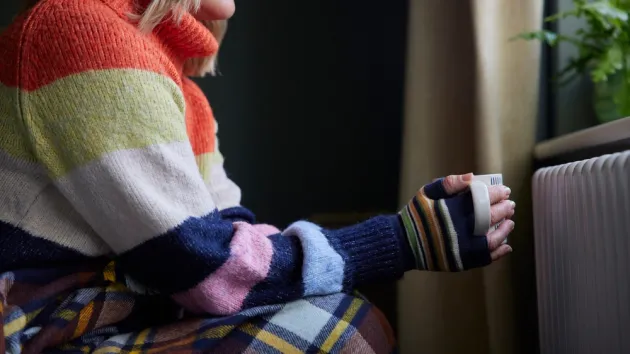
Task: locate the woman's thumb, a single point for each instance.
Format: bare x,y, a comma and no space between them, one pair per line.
455,184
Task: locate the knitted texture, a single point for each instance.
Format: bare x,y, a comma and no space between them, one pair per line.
440,228
107,149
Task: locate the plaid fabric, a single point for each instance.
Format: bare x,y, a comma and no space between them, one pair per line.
69,311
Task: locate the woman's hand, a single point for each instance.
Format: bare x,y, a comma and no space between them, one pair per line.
439,222
501,208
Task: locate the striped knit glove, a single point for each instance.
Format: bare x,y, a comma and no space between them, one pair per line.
439,228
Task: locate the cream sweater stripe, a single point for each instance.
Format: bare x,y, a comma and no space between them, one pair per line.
31,202
132,196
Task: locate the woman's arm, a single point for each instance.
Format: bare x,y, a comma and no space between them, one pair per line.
115,144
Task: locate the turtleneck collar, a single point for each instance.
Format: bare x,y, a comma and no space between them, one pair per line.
186,39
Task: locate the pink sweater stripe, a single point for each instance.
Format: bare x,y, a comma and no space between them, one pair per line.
225,290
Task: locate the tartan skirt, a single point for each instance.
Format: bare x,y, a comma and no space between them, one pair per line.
88,311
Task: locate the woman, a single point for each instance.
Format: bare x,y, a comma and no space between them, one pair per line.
120,231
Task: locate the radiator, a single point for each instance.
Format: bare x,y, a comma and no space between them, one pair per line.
582,245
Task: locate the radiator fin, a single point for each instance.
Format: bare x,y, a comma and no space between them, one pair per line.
582,231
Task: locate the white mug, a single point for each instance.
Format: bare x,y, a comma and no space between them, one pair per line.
481,201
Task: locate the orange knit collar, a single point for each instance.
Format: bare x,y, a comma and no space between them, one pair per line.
187,39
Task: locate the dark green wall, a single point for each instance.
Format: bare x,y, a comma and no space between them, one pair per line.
7,11
310,105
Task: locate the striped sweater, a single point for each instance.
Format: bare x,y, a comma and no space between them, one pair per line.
107,150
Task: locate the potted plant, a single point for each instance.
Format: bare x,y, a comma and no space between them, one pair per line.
603,52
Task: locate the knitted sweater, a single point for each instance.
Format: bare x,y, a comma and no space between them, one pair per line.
107,150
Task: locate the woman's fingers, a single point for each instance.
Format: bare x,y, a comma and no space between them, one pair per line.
498,193
448,186
455,184
502,210
498,236
500,252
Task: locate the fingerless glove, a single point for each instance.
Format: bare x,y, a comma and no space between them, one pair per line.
439,228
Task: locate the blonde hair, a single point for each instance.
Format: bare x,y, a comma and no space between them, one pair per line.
159,10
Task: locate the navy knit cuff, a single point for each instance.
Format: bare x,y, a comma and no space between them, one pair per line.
374,250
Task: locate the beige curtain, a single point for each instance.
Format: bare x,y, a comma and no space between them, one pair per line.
471,105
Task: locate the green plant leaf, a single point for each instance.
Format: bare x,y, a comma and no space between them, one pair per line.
607,10
561,15
605,14
609,63
548,37
603,43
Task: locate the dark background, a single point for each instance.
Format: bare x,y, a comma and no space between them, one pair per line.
310,105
